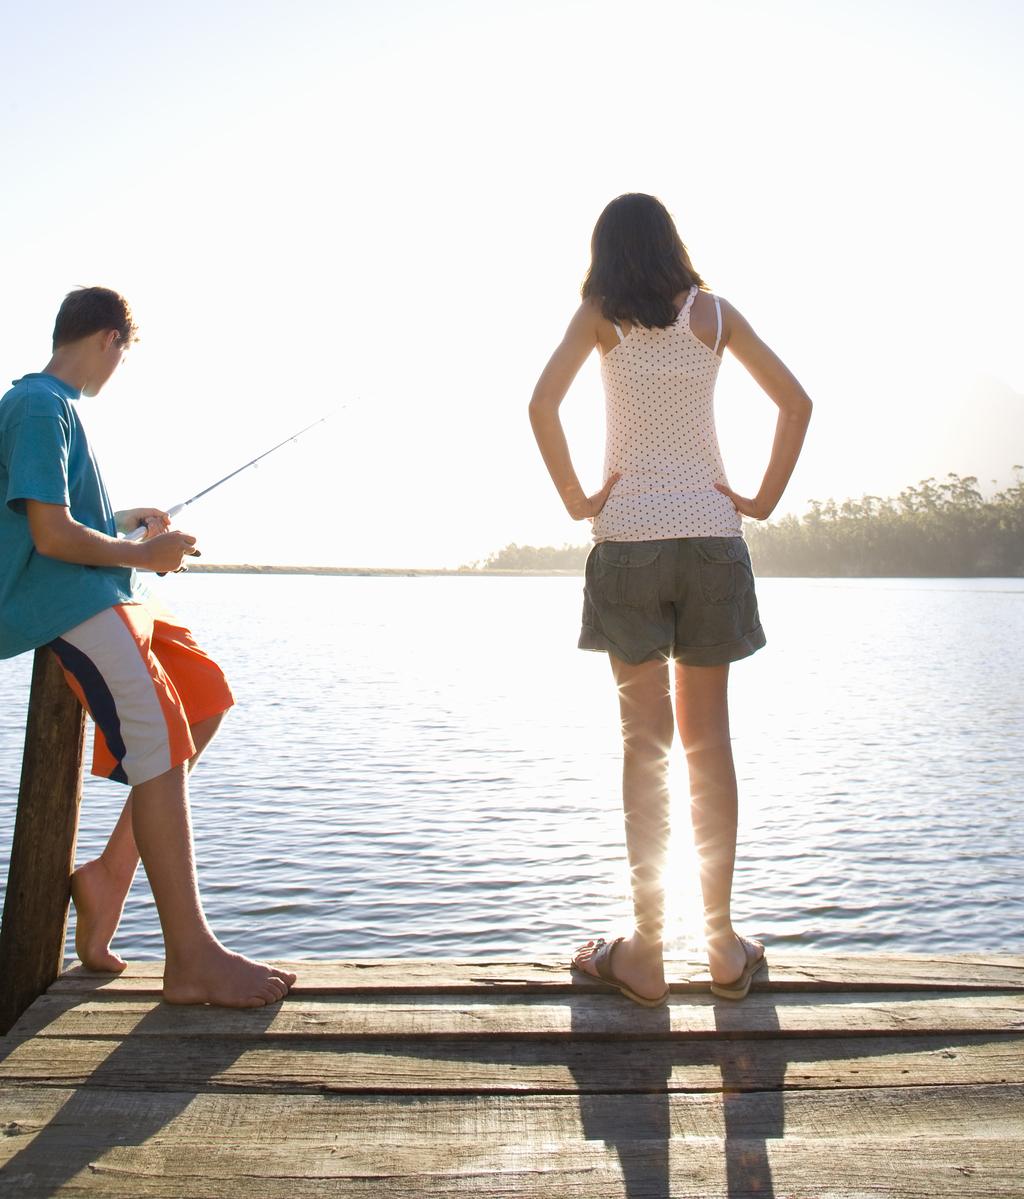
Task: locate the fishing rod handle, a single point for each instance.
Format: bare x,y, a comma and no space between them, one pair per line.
140,532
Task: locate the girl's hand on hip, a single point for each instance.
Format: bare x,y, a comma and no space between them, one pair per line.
743,505
587,507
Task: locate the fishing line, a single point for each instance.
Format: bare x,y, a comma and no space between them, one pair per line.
139,533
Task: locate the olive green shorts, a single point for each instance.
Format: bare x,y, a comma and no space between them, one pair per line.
688,598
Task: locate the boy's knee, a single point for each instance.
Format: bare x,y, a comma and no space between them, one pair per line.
208,725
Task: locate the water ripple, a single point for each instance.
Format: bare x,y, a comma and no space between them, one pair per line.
373,796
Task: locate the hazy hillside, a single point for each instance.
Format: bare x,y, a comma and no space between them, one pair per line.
932,529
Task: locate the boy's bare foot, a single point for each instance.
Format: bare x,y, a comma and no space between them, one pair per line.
99,900
638,963
728,954
218,976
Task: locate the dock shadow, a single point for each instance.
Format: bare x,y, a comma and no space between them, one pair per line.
138,1065
647,1092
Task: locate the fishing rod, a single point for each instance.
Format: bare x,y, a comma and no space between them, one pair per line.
140,532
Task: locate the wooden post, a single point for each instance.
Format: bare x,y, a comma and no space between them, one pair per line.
43,850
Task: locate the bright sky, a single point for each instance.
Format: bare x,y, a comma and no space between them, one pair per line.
390,206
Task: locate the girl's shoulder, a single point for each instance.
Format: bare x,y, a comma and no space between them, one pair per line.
606,333
590,307
712,318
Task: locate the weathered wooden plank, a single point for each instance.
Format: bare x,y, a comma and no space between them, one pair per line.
43,847
944,1168
499,1065
97,1117
787,970
584,1015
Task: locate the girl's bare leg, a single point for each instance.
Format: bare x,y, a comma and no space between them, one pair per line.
99,888
702,714
645,704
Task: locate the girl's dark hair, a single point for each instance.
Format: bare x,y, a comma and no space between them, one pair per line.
88,310
638,263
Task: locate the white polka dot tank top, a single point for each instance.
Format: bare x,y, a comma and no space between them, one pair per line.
659,389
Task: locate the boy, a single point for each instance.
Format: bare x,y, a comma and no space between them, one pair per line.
67,581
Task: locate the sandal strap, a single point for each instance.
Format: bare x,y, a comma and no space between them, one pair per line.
602,960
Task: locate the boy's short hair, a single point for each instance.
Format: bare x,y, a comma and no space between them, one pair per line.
88,310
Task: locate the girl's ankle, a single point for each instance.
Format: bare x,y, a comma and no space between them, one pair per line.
650,946
719,936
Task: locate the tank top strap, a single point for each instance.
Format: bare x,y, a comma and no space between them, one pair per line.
684,315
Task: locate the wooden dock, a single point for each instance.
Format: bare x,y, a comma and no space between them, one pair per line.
839,1075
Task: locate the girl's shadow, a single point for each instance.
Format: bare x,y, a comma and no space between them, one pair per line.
651,1095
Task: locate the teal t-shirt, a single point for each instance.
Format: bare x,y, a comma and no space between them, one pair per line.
45,456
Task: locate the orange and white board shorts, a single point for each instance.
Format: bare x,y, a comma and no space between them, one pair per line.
144,680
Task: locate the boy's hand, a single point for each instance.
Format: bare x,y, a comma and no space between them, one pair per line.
164,552
154,520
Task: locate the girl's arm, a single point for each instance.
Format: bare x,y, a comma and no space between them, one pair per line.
794,404
563,366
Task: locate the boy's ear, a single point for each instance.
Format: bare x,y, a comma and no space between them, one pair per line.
110,336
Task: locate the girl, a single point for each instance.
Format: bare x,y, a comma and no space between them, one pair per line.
669,585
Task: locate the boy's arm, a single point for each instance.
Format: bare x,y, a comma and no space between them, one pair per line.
57,534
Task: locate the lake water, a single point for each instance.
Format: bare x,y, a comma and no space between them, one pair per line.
427,766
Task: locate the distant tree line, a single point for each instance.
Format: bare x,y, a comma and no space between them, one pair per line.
534,557
931,530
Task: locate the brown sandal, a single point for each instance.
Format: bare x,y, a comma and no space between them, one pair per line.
739,987
602,960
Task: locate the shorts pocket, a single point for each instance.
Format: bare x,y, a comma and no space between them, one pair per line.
626,572
723,566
